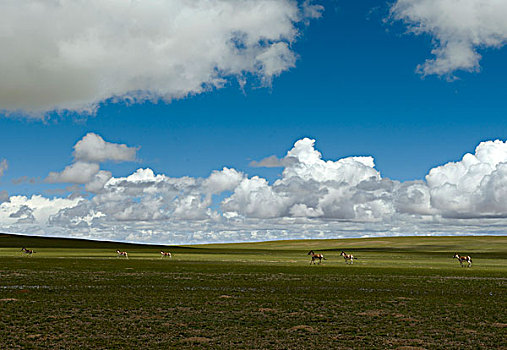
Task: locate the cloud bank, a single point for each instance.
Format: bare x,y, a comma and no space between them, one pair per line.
313,198
74,54
459,28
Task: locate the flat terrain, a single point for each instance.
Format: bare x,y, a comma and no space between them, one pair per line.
402,293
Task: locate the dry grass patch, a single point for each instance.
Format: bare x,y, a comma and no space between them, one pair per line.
34,336
372,313
499,325
303,327
196,340
225,296
470,331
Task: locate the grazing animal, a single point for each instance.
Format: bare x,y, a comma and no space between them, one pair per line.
165,254
463,259
349,258
122,254
315,257
27,251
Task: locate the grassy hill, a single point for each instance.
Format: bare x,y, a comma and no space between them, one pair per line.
15,241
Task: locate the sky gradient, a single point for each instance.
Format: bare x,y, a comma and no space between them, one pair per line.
397,83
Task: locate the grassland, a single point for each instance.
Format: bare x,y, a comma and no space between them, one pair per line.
402,293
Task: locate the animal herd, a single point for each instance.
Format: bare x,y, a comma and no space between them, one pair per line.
349,258
464,261
162,254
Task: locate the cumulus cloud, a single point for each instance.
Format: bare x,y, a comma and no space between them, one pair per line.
36,208
78,173
93,148
472,187
97,182
312,187
71,55
459,29
225,180
255,198
88,153
24,213
313,198
309,165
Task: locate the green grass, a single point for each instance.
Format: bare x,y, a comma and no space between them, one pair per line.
404,292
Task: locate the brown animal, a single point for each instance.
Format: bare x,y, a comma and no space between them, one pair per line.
349,258
122,254
27,251
165,254
315,257
463,259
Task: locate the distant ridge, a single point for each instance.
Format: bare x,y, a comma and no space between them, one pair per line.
496,245
8,240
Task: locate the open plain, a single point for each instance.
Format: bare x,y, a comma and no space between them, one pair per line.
401,293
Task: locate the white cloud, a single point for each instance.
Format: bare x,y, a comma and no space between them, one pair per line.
459,28
77,173
472,187
96,184
255,198
37,208
71,55
313,198
309,165
93,148
225,180
302,210
413,197
274,60
88,153
313,187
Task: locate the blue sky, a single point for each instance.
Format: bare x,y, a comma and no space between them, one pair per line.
354,90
